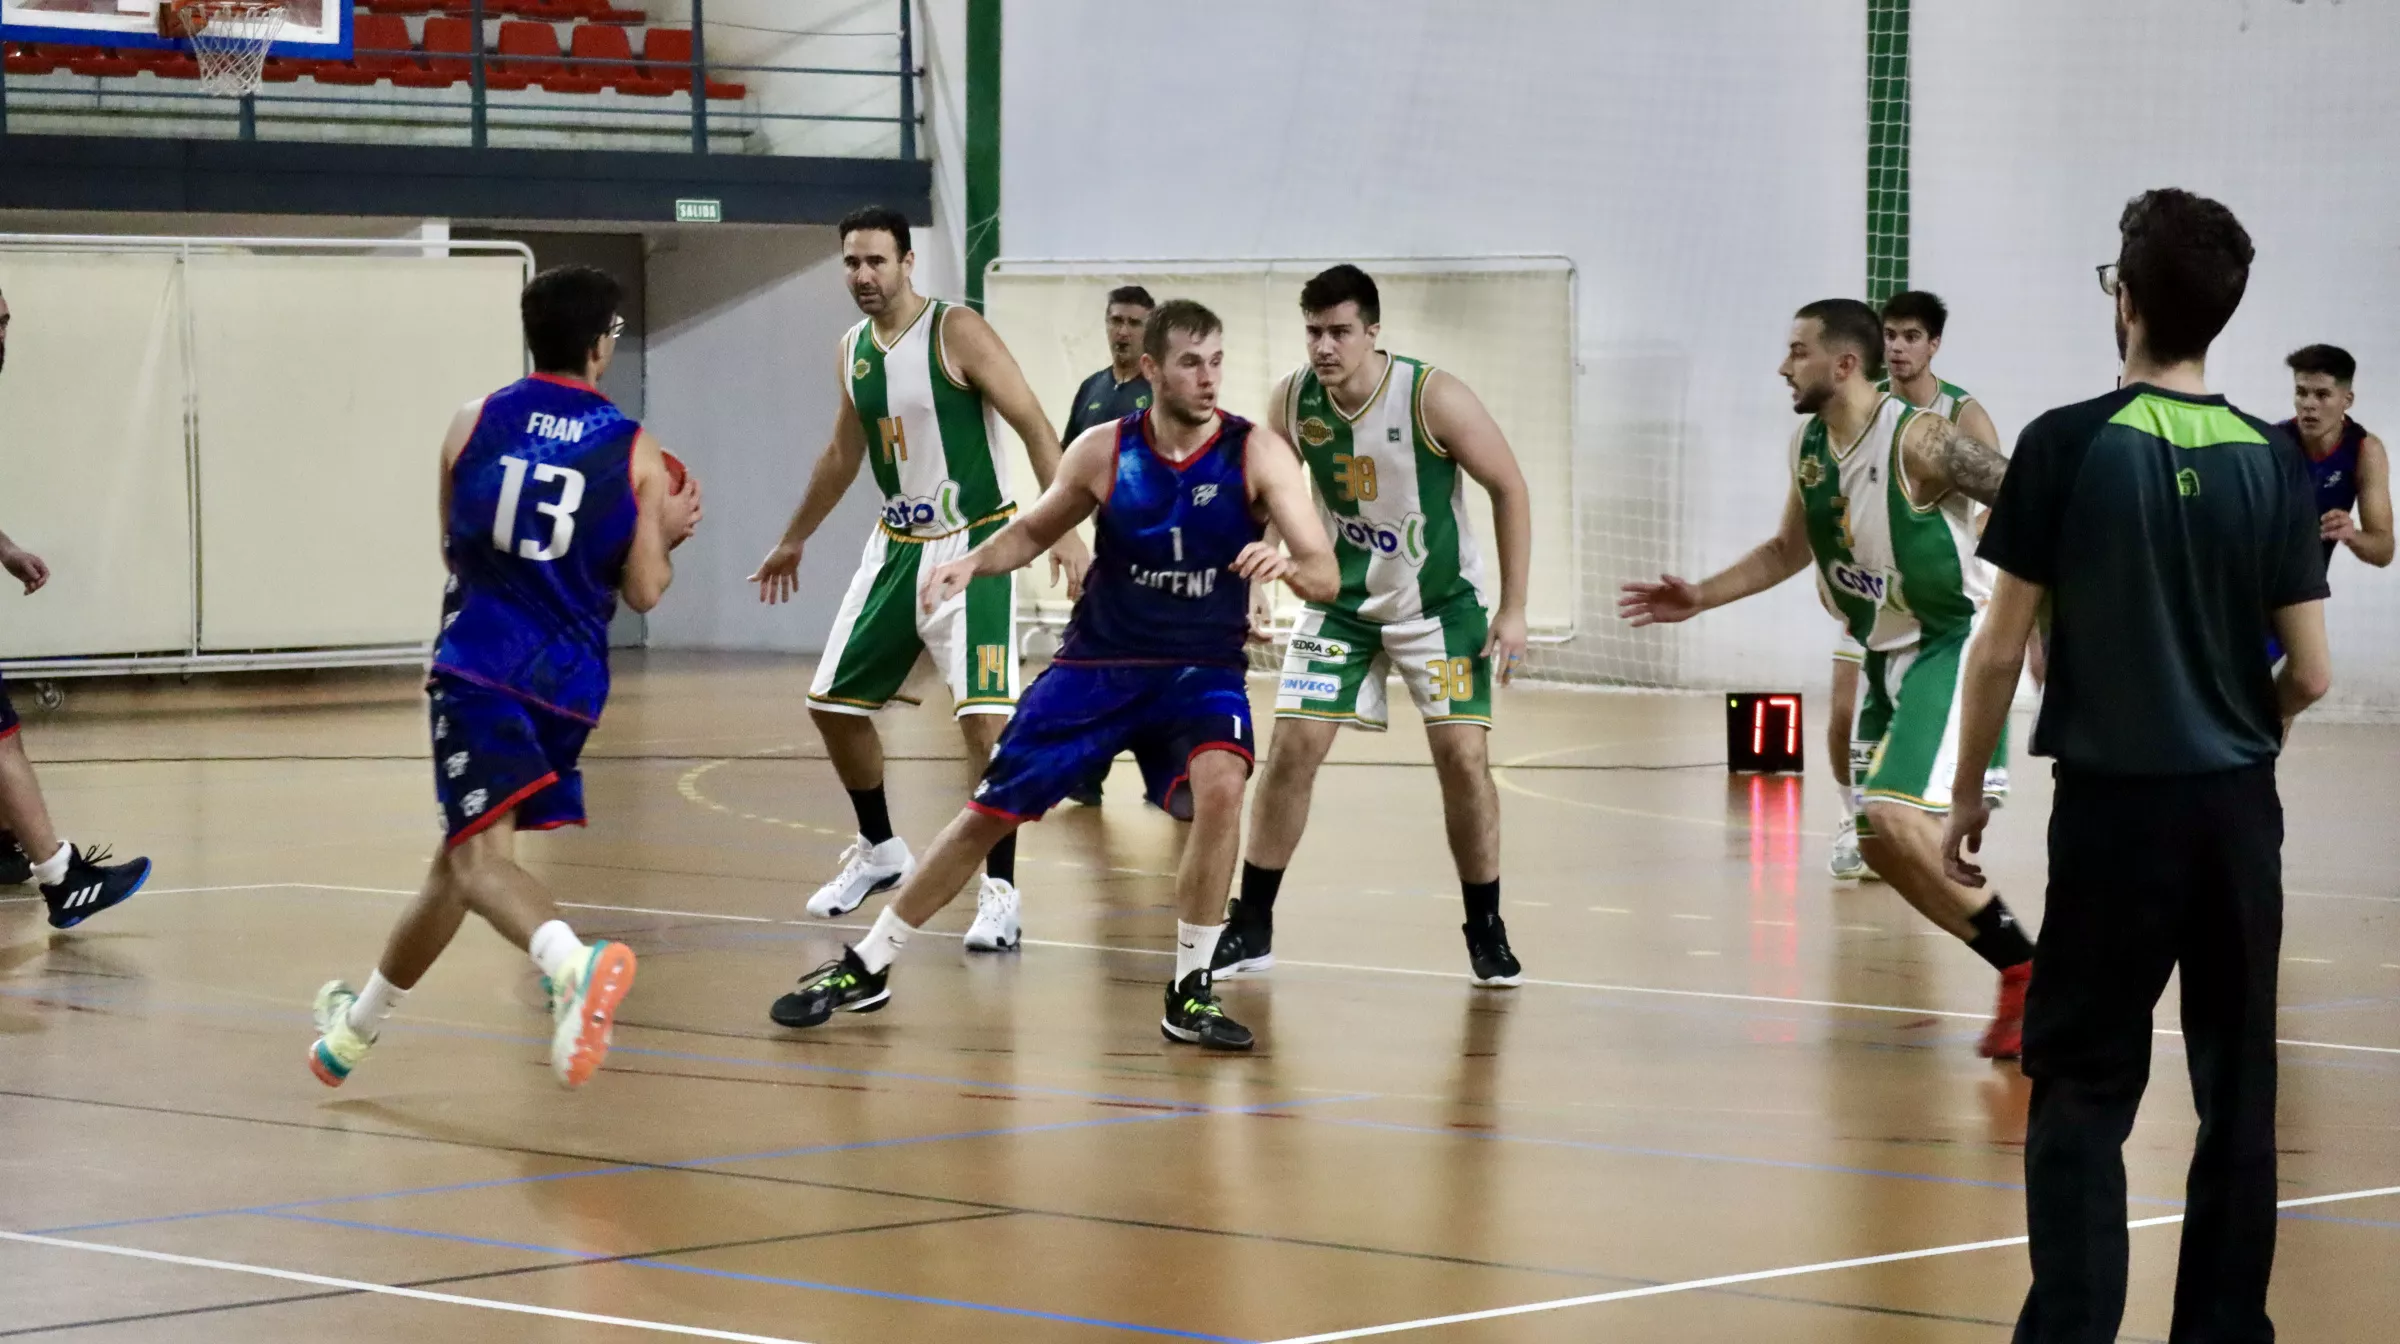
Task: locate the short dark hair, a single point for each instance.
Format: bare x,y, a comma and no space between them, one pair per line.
1921,306
1336,285
1133,294
2326,359
877,217
1851,323
1185,315
2186,261
567,310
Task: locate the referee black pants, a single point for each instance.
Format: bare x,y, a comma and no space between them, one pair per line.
2147,874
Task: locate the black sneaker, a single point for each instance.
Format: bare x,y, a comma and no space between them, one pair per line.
1246,946
15,869
1194,1018
1084,795
1488,955
844,986
92,884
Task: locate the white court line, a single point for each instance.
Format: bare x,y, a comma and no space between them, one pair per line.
1755,1276
388,1290
1591,985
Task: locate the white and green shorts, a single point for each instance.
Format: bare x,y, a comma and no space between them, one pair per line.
881,629
1911,700
1338,663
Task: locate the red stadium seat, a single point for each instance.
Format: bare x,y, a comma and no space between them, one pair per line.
171,64
595,42
104,63
449,50
32,58
528,52
398,6
284,70
380,49
667,55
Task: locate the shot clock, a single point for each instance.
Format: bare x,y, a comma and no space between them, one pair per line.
1762,733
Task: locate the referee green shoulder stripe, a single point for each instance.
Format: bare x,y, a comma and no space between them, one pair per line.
2185,424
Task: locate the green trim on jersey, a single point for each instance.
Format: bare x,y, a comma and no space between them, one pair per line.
1354,481
970,488
1927,580
2185,425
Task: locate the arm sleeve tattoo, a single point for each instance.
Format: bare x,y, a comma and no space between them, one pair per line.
1960,463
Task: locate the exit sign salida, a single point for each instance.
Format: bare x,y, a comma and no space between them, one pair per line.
699,212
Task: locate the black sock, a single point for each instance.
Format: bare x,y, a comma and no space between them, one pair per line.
1002,861
1259,886
1483,900
1998,938
874,819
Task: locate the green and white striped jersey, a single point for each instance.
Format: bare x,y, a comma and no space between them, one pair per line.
1890,570
1947,403
1394,501
930,439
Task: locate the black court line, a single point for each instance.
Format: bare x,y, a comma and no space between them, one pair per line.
288,1298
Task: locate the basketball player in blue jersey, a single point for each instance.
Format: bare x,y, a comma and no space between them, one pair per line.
2349,465
553,505
1152,660
76,883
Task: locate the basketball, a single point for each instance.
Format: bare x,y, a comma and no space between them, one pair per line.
677,473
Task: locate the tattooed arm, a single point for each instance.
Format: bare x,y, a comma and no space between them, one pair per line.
1941,459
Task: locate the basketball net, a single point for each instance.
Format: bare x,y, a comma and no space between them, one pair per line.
229,38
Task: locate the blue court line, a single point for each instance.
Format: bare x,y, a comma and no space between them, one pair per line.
693,1164
812,1285
1787,1164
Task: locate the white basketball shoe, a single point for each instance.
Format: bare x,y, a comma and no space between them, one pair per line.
995,928
866,869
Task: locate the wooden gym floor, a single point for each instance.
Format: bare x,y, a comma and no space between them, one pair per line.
1737,1101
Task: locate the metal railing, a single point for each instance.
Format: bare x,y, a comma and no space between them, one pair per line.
483,60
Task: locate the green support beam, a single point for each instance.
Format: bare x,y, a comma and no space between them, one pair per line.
1887,148
983,143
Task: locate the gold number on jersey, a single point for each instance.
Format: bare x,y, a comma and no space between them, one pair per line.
1453,678
1356,476
1841,521
991,667
895,438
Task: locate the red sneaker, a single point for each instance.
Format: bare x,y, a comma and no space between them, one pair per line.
2005,1038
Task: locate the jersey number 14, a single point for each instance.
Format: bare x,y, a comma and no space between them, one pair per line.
561,510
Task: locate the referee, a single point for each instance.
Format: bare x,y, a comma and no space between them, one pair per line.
2170,535
1113,393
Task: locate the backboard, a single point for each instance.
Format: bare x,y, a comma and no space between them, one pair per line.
311,28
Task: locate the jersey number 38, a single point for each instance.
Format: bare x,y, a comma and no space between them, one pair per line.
561,510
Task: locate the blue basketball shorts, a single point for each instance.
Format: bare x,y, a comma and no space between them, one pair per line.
494,755
9,723
1077,716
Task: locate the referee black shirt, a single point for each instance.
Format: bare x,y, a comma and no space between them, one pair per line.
1102,399
2167,530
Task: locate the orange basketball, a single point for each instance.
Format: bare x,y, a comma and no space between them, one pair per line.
677,473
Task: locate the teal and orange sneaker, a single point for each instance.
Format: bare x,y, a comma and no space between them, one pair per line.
587,1012
339,1048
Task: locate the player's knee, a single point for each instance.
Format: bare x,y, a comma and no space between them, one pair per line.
1461,753
1217,781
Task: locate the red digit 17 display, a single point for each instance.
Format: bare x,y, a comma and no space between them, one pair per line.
1762,733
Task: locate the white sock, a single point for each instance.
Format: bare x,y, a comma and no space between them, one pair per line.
557,950
53,870
1195,947
374,1004
881,947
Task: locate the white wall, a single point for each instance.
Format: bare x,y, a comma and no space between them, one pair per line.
744,329
1703,165
2035,121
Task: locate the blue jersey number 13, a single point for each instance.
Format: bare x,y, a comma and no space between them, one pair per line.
561,510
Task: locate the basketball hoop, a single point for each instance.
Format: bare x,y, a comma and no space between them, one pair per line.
229,38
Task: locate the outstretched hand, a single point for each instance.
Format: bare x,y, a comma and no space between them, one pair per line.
947,581
1262,562
26,567
1665,602
778,576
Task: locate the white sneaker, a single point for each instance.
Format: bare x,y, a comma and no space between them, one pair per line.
866,869
1995,787
995,928
1847,863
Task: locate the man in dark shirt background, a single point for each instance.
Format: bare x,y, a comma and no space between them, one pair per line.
1112,394
2167,535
